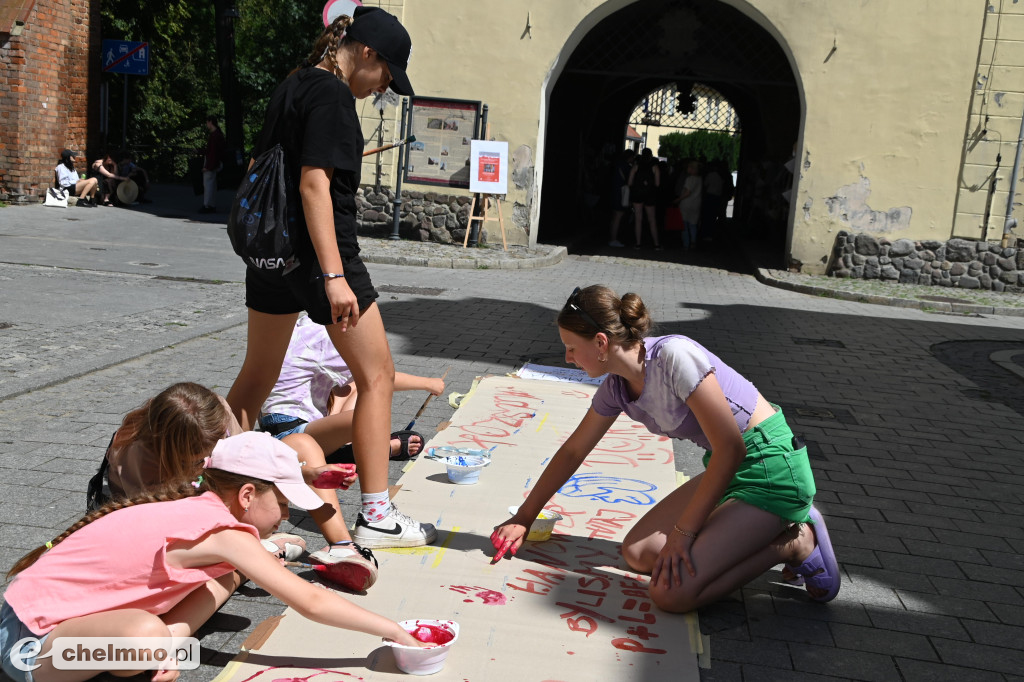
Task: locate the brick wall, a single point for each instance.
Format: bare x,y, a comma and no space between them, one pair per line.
49,73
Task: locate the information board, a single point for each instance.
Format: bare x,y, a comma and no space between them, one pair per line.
444,129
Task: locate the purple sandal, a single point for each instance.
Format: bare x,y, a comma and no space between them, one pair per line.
820,570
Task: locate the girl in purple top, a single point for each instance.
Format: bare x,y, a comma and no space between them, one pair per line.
750,510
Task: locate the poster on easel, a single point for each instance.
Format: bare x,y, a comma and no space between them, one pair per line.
488,163
443,129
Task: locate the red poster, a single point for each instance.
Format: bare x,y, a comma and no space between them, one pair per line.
489,168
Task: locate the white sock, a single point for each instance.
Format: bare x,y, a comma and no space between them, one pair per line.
376,506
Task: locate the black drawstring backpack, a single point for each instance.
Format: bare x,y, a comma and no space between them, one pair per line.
266,205
97,493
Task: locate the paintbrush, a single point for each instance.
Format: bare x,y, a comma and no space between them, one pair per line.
426,402
396,143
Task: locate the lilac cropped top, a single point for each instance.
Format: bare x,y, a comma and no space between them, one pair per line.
675,367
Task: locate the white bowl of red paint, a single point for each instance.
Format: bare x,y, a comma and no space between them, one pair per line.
419,661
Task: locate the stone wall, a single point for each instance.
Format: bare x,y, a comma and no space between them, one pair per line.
49,52
962,263
423,216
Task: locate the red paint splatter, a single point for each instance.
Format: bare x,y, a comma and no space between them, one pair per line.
488,597
432,634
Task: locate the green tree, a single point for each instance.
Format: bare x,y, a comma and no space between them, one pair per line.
700,144
167,108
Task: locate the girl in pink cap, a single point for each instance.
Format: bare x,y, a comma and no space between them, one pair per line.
173,547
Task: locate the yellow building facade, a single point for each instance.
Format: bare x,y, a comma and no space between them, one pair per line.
875,116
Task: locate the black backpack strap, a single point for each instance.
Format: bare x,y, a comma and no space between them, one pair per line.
94,495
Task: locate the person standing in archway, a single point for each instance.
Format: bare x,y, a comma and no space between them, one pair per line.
644,181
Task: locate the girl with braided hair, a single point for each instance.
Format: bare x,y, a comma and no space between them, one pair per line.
174,549
165,440
752,507
322,142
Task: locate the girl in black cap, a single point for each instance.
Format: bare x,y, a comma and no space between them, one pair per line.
323,143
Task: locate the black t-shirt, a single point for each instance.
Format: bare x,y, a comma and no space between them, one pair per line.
323,130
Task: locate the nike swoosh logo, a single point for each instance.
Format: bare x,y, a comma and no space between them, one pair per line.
397,530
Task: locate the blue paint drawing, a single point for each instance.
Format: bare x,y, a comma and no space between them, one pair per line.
610,489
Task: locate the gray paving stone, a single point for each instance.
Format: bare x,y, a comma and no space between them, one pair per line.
995,634
985,657
972,589
758,674
924,671
956,607
921,565
845,664
885,642
928,624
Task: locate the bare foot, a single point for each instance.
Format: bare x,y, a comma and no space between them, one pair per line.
415,445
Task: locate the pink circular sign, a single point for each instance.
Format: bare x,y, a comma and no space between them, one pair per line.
335,8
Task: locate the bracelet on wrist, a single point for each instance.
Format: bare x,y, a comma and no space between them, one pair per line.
333,275
684,532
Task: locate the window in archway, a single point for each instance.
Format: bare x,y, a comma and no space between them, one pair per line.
686,107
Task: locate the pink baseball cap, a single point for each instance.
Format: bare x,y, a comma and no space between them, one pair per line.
260,455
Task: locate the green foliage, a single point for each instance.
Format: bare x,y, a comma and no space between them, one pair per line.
700,144
167,109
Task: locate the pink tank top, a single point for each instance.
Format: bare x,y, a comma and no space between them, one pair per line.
118,562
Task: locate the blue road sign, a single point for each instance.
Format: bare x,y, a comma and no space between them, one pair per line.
126,56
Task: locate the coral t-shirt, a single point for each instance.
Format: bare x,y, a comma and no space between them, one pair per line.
119,562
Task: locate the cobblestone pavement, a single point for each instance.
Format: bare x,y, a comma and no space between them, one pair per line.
913,417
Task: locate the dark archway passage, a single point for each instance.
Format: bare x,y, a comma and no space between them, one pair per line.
647,45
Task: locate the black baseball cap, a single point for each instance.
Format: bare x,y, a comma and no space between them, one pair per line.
381,31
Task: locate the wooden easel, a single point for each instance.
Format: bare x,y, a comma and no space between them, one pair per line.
486,199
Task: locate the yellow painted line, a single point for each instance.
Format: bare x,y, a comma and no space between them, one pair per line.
681,478
406,550
541,425
444,547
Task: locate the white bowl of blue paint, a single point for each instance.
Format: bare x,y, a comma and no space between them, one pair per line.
465,469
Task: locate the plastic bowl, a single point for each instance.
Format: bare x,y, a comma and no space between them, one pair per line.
465,469
540,529
418,661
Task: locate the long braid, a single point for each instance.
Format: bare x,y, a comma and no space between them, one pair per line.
215,480
326,46
166,494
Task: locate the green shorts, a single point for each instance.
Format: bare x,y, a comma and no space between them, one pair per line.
773,476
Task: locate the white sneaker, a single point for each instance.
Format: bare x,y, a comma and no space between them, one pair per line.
394,530
351,566
285,546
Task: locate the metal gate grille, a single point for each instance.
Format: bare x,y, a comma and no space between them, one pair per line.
699,108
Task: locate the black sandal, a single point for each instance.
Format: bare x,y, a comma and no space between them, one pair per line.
404,437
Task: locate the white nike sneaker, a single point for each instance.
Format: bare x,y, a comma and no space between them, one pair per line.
285,546
394,530
351,566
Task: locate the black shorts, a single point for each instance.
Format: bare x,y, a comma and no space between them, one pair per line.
303,289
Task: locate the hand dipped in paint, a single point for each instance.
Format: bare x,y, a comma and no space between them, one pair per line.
508,538
331,476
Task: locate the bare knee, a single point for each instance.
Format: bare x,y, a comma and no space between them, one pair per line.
676,599
640,548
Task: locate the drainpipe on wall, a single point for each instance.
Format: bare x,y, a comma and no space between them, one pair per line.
1011,222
